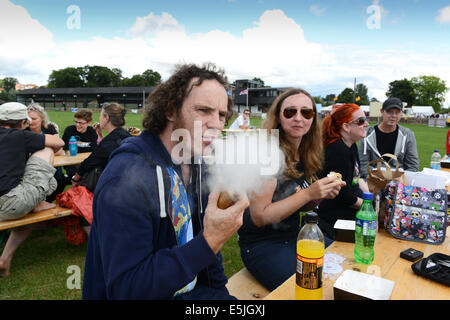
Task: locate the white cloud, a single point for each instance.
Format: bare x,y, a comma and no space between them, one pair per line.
153,24
444,15
274,49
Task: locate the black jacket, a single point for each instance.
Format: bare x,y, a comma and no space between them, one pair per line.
100,155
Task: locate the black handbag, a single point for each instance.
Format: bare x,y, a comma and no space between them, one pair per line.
90,179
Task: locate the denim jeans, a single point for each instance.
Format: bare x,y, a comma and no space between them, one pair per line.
272,262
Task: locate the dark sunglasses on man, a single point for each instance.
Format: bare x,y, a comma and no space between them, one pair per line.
306,113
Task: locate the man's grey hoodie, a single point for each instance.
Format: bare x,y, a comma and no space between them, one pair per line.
405,150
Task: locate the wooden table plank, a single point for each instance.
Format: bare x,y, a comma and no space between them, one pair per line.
60,161
387,264
34,217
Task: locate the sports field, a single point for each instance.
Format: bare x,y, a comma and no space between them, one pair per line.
40,266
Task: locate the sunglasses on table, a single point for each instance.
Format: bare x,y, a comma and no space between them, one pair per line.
306,113
360,121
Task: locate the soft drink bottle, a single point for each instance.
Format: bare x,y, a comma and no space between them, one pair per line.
310,252
73,146
435,160
365,231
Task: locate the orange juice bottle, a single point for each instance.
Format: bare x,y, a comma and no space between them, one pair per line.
310,252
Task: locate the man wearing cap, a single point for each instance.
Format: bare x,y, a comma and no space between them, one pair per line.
389,137
26,173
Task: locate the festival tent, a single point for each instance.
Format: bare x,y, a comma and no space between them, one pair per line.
425,110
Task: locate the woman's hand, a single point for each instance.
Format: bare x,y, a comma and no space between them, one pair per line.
98,129
325,188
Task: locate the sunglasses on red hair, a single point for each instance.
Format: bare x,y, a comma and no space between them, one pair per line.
306,113
360,121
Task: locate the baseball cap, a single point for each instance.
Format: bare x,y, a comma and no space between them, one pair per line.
14,111
392,103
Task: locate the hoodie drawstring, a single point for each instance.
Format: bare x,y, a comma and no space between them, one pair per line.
162,202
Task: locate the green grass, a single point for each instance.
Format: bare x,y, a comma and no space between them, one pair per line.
39,267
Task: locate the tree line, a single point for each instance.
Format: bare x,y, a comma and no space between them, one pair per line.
100,76
419,91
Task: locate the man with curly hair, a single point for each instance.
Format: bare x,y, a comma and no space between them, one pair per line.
157,231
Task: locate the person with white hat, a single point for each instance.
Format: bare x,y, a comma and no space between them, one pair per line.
26,173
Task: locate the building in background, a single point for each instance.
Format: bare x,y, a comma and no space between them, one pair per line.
68,98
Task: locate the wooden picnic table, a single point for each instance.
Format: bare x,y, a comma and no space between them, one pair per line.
387,264
35,217
67,160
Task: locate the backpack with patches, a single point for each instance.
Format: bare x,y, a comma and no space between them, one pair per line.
417,213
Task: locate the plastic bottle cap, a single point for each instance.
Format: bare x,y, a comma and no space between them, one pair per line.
367,196
311,217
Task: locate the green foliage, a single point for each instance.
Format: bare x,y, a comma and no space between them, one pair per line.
346,96
9,83
100,76
67,78
147,79
402,89
430,91
361,92
8,95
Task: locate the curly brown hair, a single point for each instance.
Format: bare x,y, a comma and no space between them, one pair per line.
85,114
168,97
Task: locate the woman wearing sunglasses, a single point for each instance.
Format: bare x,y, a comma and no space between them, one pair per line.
341,130
271,224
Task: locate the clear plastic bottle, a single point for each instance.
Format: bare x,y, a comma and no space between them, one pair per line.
365,231
310,252
435,160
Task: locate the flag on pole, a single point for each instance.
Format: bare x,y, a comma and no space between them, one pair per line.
243,92
335,99
358,98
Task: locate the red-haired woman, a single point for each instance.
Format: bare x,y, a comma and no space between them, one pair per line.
340,132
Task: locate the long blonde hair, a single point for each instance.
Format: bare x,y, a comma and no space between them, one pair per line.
310,149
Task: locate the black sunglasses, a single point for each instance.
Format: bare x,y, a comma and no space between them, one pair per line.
306,113
360,121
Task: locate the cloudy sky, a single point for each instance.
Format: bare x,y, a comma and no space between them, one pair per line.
320,45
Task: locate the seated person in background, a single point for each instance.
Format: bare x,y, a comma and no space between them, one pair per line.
389,137
341,130
25,180
87,135
241,122
40,123
112,120
269,233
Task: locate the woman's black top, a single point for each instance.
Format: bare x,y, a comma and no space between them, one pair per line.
344,160
99,157
288,228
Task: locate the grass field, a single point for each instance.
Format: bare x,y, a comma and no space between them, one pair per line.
40,266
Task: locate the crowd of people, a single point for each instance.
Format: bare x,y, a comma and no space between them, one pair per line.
157,230
29,182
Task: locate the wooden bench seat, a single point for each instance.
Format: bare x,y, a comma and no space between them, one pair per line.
244,286
34,217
